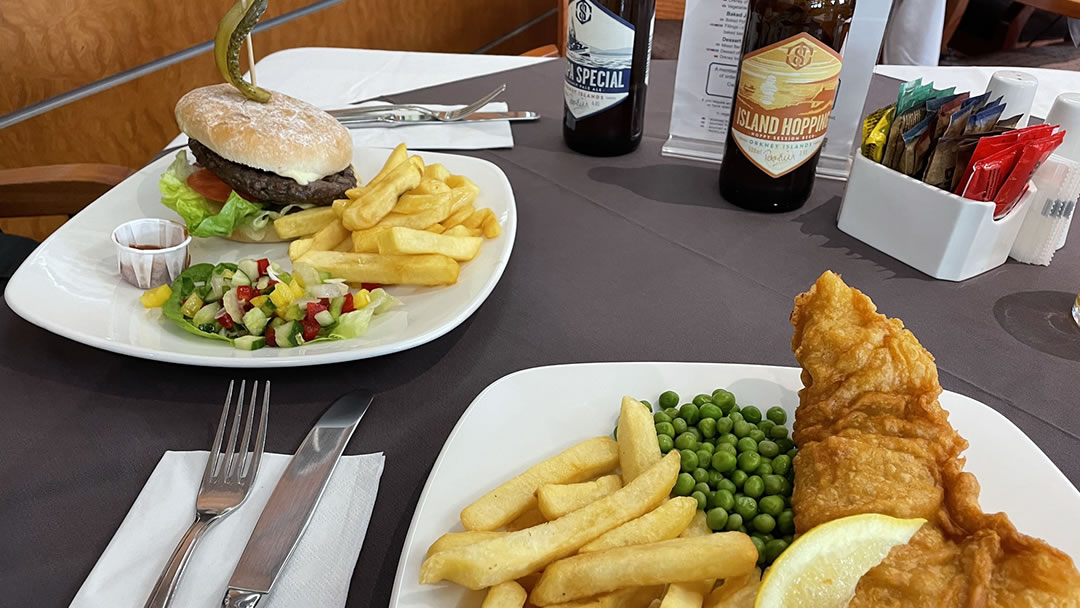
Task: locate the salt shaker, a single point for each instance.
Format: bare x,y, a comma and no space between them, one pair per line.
1017,90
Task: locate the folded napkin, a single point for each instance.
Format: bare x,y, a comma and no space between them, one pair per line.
455,136
316,576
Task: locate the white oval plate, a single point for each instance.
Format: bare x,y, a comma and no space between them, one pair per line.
70,285
536,413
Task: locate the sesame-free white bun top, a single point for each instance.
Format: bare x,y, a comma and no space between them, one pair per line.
285,136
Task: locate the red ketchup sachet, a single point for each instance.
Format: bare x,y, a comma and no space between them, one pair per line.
1033,156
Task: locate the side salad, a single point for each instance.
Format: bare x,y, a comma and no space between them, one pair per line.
256,303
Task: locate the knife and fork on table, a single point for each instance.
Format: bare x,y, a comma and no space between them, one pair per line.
231,469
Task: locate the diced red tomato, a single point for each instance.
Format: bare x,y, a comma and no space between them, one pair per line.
263,265
209,185
348,306
370,286
314,308
270,285
269,335
244,293
225,320
325,302
311,329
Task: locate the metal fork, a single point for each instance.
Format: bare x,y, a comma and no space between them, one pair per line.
438,115
225,484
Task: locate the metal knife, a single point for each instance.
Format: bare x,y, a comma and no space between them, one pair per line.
393,119
293,501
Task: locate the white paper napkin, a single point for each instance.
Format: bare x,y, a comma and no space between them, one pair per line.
457,136
316,576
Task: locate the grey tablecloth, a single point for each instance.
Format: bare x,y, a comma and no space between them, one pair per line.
630,258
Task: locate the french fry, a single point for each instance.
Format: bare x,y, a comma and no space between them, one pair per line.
458,230
679,560
510,499
458,216
303,223
329,236
417,162
638,447
735,592
528,519
662,523
529,580
461,197
417,203
460,181
437,172
430,269
558,499
494,561
436,228
379,200
345,245
406,241
687,595
399,155
298,248
491,227
475,220
451,540
632,597
697,527
367,240
505,595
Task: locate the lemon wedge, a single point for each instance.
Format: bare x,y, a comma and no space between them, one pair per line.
822,567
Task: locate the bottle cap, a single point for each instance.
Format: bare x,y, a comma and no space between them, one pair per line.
1066,112
1017,90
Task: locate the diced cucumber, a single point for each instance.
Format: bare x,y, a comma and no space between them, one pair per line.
336,305
262,283
284,277
249,342
239,278
250,268
323,275
276,268
217,288
255,321
232,306
277,322
307,274
267,308
206,314
324,318
296,334
295,313
283,334
381,301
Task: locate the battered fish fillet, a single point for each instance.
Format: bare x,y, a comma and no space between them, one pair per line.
873,438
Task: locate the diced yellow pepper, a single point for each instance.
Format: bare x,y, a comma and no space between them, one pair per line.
282,295
297,288
258,301
156,297
361,298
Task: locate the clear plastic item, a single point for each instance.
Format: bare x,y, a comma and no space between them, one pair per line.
151,252
1047,218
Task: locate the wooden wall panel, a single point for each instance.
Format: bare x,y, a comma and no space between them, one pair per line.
128,124
541,33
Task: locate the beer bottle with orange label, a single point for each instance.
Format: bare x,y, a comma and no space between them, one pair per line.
788,77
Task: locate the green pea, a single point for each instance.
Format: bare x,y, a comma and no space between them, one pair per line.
754,486
686,441
684,484
707,446
672,412
752,414
716,478
728,438
728,485
746,444
765,459
743,529
785,490
778,432
792,453
768,448
703,488
735,409
702,500
788,538
756,434
746,506
774,484
689,413
776,414
689,460
786,521
723,425
693,430
659,417
763,522
765,425
781,464
711,411
665,428
724,461
727,447
646,404
760,546
666,443
701,475
774,548
707,426
734,522
668,399
773,505
735,416
702,399
679,425
748,461
763,469
785,444
704,457
723,399
738,478
742,428
716,519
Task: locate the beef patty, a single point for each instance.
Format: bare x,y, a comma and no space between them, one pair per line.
260,186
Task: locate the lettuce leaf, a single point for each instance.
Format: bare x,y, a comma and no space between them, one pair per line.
187,283
204,217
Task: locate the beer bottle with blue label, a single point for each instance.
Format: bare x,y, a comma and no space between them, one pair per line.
788,77
608,46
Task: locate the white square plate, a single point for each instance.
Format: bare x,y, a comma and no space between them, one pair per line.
535,413
70,285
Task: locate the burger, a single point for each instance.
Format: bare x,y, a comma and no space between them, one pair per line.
253,163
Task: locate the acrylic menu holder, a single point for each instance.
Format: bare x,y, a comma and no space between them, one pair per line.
944,235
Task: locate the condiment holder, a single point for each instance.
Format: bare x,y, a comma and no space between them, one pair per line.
937,232
151,252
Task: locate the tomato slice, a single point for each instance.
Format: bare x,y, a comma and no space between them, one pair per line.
209,185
